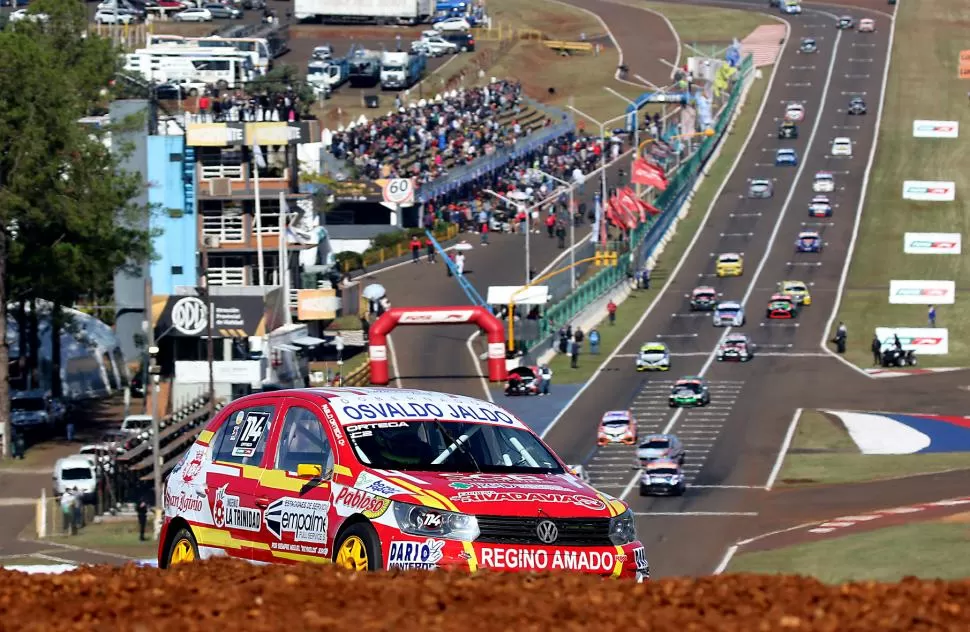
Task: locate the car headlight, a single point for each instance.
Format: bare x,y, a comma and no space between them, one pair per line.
426,521
623,528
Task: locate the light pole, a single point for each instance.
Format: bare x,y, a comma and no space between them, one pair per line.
602,125
636,128
572,222
212,242
517,204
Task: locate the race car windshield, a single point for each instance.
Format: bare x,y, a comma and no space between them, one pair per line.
616,423
663,471
687,386
653,352
655,444
450,446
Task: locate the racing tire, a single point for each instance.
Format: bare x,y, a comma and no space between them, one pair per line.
182,549
358,549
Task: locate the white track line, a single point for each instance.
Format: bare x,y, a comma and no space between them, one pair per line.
689,514
752,284
783,452
391,352
728,555
683,258
823,343
469,344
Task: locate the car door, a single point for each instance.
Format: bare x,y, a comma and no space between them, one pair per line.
238,452
295,489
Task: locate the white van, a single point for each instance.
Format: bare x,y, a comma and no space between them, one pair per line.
135,424
76,471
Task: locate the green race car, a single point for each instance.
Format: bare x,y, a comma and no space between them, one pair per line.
689,392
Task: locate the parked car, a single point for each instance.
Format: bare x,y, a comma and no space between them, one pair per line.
193,15
444,25
76,472
464,41
114,16
222,11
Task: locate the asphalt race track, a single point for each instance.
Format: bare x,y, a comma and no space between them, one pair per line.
732,445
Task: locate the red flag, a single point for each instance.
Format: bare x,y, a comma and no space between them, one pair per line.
616,213
645,173
649,208
628,201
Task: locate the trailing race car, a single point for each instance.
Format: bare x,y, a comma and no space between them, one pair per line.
821,206
842,146
653,356
703,299
660,446
689,392
728,314
760,189
798,290
809,241
788,130
845,22
857,106
782,307
808,45
791,7
824,182
736,347
662,478
867,25
729,264
617,426
786,158
794,112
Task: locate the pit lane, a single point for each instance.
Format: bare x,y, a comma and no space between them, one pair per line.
747,440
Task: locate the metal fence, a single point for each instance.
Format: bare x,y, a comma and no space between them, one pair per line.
645,238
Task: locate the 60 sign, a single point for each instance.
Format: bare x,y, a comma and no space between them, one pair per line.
399,191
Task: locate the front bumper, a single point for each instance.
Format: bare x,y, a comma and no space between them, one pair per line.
733,357
602,441
684,403
661,489
642,366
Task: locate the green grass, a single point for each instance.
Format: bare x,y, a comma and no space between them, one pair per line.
924,549
922,85
822,452
633,307
113,537
706,24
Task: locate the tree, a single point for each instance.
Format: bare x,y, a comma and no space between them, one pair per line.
65,206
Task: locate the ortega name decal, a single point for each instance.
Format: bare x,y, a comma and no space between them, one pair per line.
389,410
528,497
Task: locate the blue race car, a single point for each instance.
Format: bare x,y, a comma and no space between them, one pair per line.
809,241
786,158
821,206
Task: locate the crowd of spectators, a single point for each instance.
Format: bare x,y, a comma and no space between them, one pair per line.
457,130
215,106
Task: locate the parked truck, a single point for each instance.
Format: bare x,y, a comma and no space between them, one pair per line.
364,11
330,73
365,68
400,71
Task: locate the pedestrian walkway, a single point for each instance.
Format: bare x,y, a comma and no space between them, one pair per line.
764,44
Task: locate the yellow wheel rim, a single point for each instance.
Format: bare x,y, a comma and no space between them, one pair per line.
182,552
352,554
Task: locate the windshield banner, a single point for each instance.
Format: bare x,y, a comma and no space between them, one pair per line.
390,408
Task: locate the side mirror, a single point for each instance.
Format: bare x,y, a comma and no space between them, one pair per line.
309,470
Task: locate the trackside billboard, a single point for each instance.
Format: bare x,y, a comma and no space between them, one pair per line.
925,341
936,129
931,243
922,292
929,191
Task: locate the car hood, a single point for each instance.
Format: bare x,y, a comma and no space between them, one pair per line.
554,495
653,356
652,453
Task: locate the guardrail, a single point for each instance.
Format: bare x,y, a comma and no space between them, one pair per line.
560,45
645,238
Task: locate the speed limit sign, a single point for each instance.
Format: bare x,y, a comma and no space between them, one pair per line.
399,191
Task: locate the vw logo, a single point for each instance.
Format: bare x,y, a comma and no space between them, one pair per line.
547,531
190,316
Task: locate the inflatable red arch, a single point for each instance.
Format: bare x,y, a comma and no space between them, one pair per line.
492,326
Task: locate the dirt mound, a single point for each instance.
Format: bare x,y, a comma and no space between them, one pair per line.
223,594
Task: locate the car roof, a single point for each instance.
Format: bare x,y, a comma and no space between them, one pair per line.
762,180
785,150
724,255
808,234
736,338
653,344
703,288
729,305
658,437
808,40
867,20
74,458
842,139
617,414
690,379
790,283
824,174
792,104
781,297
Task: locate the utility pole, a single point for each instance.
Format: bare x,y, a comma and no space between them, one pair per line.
210,318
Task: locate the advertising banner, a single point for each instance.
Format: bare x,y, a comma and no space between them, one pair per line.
317,304
213,134
922,292
924,341
936,129
931,243
929,191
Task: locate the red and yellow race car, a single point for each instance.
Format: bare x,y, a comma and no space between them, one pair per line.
782,306
617,426
380,478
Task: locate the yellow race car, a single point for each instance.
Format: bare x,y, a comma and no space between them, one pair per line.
798,290
729,264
